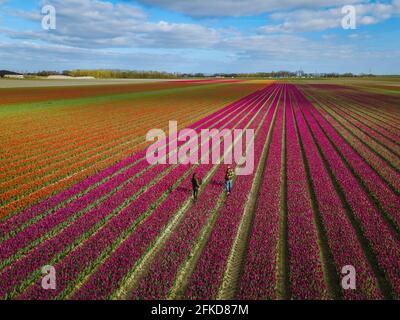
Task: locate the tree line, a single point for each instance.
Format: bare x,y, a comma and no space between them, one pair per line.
134,74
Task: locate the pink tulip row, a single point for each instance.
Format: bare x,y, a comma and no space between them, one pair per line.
113,272
306,276
101,214
158,281
259,276
381,237
387,198
75,209
341,236
208,274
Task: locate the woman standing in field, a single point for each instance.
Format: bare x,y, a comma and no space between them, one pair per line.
229,180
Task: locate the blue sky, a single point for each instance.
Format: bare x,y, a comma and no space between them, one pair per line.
202,35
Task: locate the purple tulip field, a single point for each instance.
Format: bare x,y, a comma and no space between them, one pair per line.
318,217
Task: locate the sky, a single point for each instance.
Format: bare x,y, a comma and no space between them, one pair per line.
209,36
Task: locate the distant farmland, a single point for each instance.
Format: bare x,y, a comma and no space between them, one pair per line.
77,193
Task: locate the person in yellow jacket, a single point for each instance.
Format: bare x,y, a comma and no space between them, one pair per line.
229,180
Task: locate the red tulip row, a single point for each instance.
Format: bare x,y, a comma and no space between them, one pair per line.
45,135
15,222
100,145
53,149
96,137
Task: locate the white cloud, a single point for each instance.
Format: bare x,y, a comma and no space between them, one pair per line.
318,20
101,34
287,47
102,24
26,55
215,8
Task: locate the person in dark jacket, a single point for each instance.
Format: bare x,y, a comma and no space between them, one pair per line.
228,180
196,185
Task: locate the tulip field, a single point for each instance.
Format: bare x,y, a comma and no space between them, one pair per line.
77,193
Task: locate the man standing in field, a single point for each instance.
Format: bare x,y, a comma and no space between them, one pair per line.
228,180
196,185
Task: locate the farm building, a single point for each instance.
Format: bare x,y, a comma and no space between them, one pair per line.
14,76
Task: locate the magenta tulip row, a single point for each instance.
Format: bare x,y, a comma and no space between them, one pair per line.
47,250
207,277
341,236
369,121
113,272
385,110
365,127
34,231
350,109
389,200
158,281
92,249
23,217
259,275
382,238
363,100
379,149
306,276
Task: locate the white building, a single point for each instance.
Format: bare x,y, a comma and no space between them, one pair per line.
14,76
